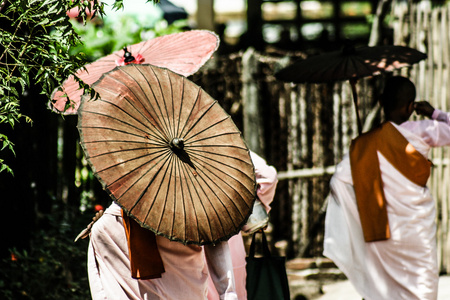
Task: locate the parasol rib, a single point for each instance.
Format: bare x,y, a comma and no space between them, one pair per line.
142,176
221,178
197,98
205,186
211,146
163,121
184,197
203,159
196,151
177,178
148,83
177,131
126,150
124,175
226,208
168,171
146,133
225,182
141,196
191,144
168,125
128,99
217,123
191,189
199,118
173,108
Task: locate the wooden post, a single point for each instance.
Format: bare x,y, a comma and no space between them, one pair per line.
376,32
253,129
205,14
254,24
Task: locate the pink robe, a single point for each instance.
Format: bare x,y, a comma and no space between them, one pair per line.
403,267
266,179
186,272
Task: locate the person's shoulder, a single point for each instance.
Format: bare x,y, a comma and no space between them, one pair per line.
343,171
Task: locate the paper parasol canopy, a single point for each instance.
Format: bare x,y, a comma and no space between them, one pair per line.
168,154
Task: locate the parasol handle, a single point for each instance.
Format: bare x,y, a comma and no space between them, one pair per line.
355,101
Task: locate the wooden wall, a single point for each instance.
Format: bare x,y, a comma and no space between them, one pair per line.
427,29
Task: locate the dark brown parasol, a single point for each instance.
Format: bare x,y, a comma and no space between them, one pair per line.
350,64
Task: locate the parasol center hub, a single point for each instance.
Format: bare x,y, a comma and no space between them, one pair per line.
349,49
177,144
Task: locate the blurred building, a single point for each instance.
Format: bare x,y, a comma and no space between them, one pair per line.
286,24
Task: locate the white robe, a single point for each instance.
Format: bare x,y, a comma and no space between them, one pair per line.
404,266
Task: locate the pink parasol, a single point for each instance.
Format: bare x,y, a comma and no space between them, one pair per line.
183,53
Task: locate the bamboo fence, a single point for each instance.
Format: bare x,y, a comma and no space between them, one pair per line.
426,28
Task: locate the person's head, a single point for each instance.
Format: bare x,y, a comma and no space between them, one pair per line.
398,98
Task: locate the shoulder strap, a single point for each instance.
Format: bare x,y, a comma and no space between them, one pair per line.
265,245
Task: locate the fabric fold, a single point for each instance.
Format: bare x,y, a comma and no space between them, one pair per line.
145,260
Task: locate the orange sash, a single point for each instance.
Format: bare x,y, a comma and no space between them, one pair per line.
145,260
367,180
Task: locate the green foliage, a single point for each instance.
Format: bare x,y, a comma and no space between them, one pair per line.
54,268
36,38
34,49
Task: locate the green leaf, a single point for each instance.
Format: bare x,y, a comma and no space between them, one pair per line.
4,167
118,4
44,21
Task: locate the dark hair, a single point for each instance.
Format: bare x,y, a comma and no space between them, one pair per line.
398,92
